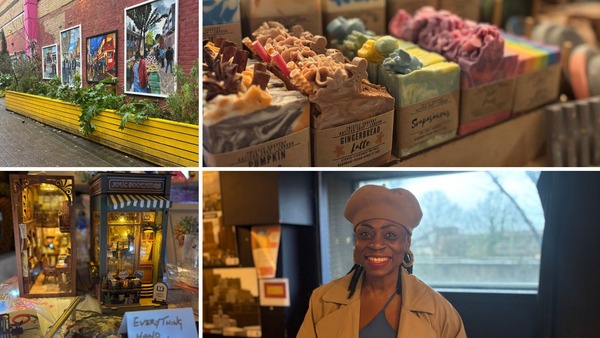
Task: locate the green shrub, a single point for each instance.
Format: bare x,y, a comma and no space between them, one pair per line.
184,103
181,106
27,75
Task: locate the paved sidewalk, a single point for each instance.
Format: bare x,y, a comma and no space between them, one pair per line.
27,143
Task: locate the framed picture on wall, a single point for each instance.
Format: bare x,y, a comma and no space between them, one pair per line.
101,57
230,301
183,222
151,48
49,61
70,55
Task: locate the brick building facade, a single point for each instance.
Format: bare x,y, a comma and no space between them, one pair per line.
95,17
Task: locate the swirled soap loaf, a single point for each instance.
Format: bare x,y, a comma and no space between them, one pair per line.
243,106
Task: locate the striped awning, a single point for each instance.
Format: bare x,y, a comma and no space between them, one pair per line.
119,201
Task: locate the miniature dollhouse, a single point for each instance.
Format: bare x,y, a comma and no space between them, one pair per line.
43,218
129,218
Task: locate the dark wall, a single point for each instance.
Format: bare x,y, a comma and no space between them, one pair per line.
496,315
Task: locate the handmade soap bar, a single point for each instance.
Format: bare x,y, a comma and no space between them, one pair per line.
245,108
422,84
538,73
478,48
339,93
426,92
338,89
532,56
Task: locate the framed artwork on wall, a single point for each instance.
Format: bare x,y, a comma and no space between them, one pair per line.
151,48
70,54
49,61
230,301
183,222
101,56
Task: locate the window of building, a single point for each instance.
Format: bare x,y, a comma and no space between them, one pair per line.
480,230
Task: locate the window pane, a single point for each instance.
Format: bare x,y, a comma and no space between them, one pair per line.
479,229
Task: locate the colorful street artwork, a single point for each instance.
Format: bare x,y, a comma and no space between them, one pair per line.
50,62
151,48
101,57
70,55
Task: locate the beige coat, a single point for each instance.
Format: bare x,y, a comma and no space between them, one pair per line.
424,313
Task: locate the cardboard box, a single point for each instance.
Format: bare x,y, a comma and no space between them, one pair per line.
289,151
536,89
306,13
221,21
467,9
425,124
411,6
485,105
371,13
367,142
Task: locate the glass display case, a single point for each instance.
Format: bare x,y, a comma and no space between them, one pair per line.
43,218
129,218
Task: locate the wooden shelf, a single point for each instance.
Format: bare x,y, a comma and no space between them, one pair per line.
123,290
517,142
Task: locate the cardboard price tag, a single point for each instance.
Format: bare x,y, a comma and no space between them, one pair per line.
171,323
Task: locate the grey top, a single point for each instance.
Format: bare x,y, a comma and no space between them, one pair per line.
379,326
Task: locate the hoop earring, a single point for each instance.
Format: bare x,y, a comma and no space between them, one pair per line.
409,259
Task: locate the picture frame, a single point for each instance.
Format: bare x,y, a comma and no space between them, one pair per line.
70,54
101,57
182,218
150,51
49,61
241,283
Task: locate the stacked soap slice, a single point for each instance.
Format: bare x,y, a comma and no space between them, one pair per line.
532,56
538,72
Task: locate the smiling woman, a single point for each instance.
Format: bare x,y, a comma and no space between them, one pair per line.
380,298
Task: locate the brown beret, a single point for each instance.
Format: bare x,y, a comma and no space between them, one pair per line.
378,202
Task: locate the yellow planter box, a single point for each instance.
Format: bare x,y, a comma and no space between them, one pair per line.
159,141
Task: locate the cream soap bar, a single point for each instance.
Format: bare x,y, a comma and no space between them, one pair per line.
433,79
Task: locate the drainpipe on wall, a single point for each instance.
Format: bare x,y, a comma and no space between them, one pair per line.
31,25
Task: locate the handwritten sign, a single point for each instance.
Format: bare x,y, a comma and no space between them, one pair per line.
170,323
